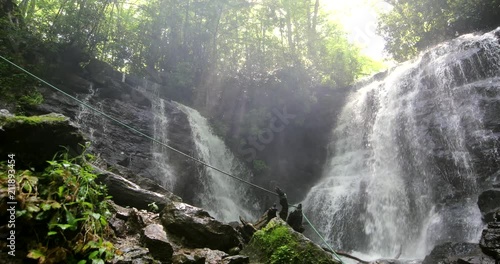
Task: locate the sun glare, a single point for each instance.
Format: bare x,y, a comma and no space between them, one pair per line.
359,18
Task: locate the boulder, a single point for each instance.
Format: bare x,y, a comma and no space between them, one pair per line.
155,239
210,256
199,256
133,255
490,240
127,193
489,204
197,227
182,258
36,139
279,243
457,253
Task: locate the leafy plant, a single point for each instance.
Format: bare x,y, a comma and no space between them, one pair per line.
67,210
17,88
153,207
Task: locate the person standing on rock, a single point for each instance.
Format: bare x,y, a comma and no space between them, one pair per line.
283,202
295,219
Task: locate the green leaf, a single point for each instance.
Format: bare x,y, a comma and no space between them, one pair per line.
89,205
55,205
20,213
52,162
70,218
97,261
36,254
45,206
51,233
82,261
96,215
64,226
32,208
60,191
93,255
42,216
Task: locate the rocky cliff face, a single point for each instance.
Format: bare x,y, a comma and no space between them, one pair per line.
130,101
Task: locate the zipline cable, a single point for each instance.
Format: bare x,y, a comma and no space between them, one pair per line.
159,142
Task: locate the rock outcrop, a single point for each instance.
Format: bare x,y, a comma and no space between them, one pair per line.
31,139
198,227
129,100
127,193
490,240
279,243
489,204
457,253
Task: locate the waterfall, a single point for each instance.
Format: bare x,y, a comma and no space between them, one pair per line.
86,118
408,154
225,198
160,153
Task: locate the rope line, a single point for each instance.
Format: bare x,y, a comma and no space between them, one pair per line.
161,143
322,238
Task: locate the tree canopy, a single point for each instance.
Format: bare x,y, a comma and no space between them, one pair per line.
414,25
192,39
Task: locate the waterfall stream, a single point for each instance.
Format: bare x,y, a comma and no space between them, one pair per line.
223,197
160,154
86,117
405,159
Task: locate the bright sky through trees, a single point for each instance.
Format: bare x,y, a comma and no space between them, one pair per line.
359,17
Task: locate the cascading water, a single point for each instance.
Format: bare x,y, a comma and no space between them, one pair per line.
85,117
405,165
224,197
160,153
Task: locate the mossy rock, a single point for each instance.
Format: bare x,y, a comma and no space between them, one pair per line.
14,121
278,243
36,139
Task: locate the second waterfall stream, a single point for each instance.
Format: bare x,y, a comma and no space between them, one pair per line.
223,197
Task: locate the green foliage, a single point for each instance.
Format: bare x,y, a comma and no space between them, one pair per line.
153,207
18,88
282,246
66,209
413,25
277,242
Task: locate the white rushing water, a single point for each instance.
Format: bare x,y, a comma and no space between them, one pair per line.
160,153
401,175
224,198
85,117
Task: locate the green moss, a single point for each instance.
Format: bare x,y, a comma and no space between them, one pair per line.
31,120
281,245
